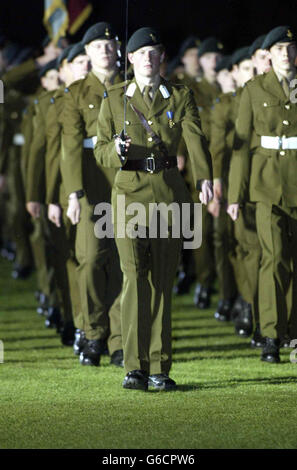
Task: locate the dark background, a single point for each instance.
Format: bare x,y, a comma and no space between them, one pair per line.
236,23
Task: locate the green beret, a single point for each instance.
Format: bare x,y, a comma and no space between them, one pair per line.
240,55
278,34
257,44
210,44
191,42
143,37
100,30
224,63
76,50
52,65
63,55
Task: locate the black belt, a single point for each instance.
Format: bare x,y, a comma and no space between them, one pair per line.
150,164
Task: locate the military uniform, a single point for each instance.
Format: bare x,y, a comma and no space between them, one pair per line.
265,173
35,192
149,265
205,95
223,117
12,141
98,265
37,238
55,194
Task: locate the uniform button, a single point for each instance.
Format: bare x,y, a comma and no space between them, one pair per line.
282,153
286,123
150,122
127,123
150,139
287,106
265,104
91,106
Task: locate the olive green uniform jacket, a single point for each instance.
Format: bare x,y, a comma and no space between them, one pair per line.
35,182
159,187
258,174
82,102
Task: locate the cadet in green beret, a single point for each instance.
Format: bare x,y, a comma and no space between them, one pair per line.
220,148
86,185
35,195
267,125
158,114
55,193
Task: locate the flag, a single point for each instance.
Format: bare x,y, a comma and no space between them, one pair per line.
79,11
56,18
62,16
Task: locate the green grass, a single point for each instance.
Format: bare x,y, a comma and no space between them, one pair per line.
227,398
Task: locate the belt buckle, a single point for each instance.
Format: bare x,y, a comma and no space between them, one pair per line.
280,142
150,164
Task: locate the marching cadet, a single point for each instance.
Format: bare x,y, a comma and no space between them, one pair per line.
37,237
264,171
222,132
86,185
205,92
188,74
12,140
35,195
260,57
78,67
158,114
190,69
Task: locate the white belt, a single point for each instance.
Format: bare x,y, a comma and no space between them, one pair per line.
18,139
268,142
90,142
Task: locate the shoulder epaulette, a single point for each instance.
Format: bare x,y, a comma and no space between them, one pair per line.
115,86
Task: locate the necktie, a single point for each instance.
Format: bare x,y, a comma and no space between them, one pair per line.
285,86
146,96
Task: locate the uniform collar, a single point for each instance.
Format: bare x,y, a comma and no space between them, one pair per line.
160,101
272,84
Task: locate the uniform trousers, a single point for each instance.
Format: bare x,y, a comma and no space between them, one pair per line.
277,231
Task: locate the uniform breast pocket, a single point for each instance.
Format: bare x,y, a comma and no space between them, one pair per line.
267,114
90,114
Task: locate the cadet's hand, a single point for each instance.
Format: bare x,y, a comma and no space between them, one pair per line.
181,161
217,189
73,211
206,194
54,213
34,209
118,141
214,208
2,182
233,211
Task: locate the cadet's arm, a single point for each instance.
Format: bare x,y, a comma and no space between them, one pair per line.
52,156
72,146
105,151
239,174
35,181
196,143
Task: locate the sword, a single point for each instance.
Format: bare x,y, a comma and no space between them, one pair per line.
123,135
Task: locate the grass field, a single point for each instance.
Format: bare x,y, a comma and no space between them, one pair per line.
226,397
